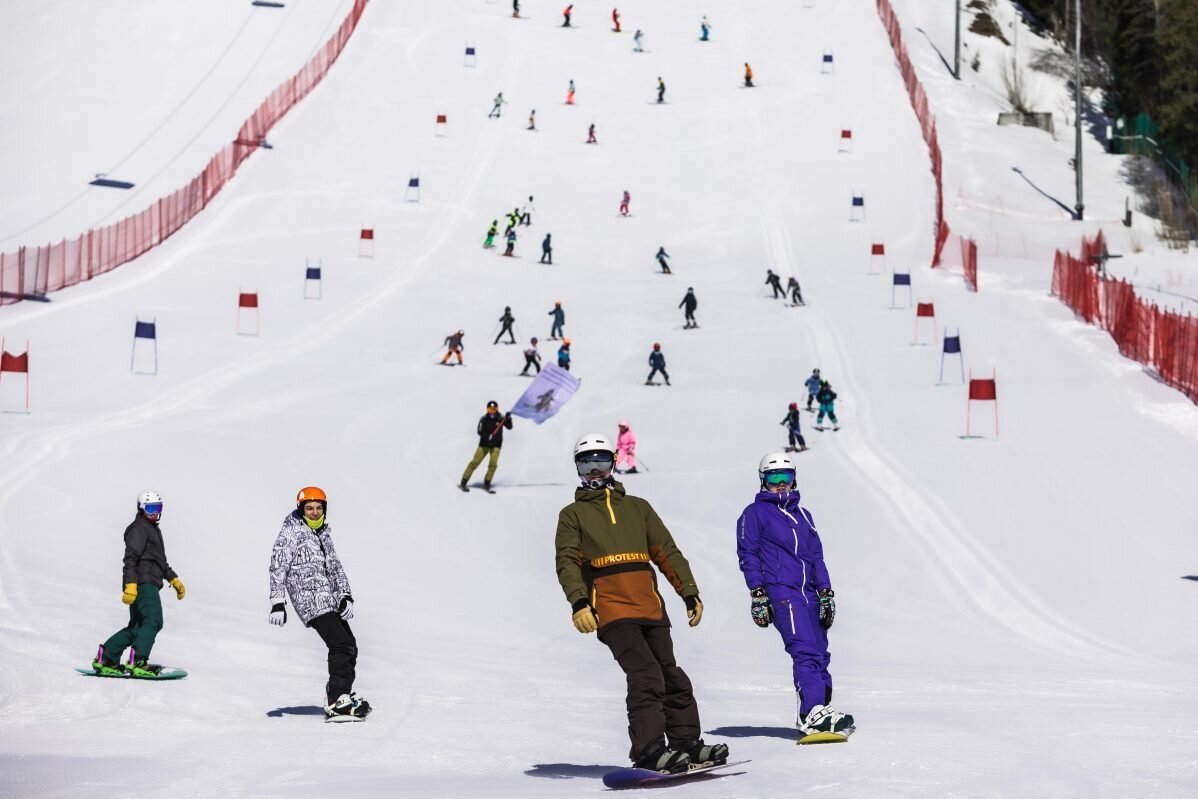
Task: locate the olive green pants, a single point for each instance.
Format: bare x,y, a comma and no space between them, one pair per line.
145,622
492,464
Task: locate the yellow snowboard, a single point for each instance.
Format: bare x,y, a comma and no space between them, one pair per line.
823,738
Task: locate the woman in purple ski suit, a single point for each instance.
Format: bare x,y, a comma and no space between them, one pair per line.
782,560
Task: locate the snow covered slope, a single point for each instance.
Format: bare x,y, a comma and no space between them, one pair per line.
1012,618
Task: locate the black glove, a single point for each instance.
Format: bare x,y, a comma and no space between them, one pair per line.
827,607
278,614
761,609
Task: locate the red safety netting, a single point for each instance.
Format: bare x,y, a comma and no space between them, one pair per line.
1164,340
969,258
927,123
39,270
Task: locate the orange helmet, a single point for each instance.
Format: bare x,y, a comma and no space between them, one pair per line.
565,342
311,494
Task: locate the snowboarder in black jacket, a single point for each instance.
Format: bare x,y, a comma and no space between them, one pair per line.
507,319
690,303
796,293
145,567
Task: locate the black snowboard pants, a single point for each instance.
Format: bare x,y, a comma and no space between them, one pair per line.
343,653
660,698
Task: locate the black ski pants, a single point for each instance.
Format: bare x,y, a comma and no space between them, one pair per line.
343,653
533,362
660,698
506,329
653,373
778,292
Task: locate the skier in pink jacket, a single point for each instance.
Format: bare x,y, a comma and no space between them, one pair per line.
626,449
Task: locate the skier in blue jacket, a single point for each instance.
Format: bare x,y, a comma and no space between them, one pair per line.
783,564
812,385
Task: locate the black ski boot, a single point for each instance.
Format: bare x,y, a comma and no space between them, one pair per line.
657,757
702,754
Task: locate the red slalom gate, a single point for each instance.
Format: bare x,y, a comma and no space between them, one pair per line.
982,390
18,364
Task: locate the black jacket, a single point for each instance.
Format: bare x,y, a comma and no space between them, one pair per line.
657,360
792,420
490,429
145,554
689,302
825,395
507,319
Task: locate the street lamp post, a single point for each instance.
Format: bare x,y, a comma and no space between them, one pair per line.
1080,207
957,49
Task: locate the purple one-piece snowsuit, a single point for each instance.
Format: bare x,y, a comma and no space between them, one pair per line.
779,549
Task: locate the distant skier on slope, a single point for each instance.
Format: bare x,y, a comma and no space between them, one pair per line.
507,320
305,568
591,135
531,357
748,76
661,257
657,363
559,321
606,542
547,249
491,231
826,397
773,281
782,560
510,250
661,90
454,346
497,108
526,212
144,568
625,450
563,354
704,30
615,20
812,384
793,432
569,10
796,293
624,203
690,303
638,42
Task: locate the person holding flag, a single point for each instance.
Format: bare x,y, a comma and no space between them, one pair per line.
490,439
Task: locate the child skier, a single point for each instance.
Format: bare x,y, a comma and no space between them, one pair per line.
511,243
690,303
657,362
812,385
563,354
490,440
559,321
532,120
570,93
491,231
826,397
606,541
794,434
531,357
661,257
547,249
145,567
569,10
304,566
591,135
624,203
625,450
454,346
748,76
638,40
704,30
796,293
526,213
507,320
661,90
782,560
615,20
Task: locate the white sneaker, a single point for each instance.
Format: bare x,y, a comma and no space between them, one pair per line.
823,718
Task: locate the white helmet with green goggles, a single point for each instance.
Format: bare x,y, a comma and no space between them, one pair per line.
775,469
594,457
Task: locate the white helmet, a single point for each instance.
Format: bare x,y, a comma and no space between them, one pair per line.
594,442
773,462
149,498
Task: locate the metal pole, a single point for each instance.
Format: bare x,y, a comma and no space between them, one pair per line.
1080,207
957,50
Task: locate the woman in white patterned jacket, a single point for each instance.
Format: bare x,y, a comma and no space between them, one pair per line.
304,566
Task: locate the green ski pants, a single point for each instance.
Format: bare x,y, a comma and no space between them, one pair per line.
145,620
492,455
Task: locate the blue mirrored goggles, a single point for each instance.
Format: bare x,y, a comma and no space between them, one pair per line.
152,508
779,477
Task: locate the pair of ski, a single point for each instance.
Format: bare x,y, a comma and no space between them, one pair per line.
623,778
822,429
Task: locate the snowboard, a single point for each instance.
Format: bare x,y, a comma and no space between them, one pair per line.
167,673
825,737
347,719
822,429
642,777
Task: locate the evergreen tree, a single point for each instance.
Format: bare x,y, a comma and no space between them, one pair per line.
1178,112
1133,55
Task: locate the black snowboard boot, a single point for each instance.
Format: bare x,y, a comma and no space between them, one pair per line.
702,754
657,757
